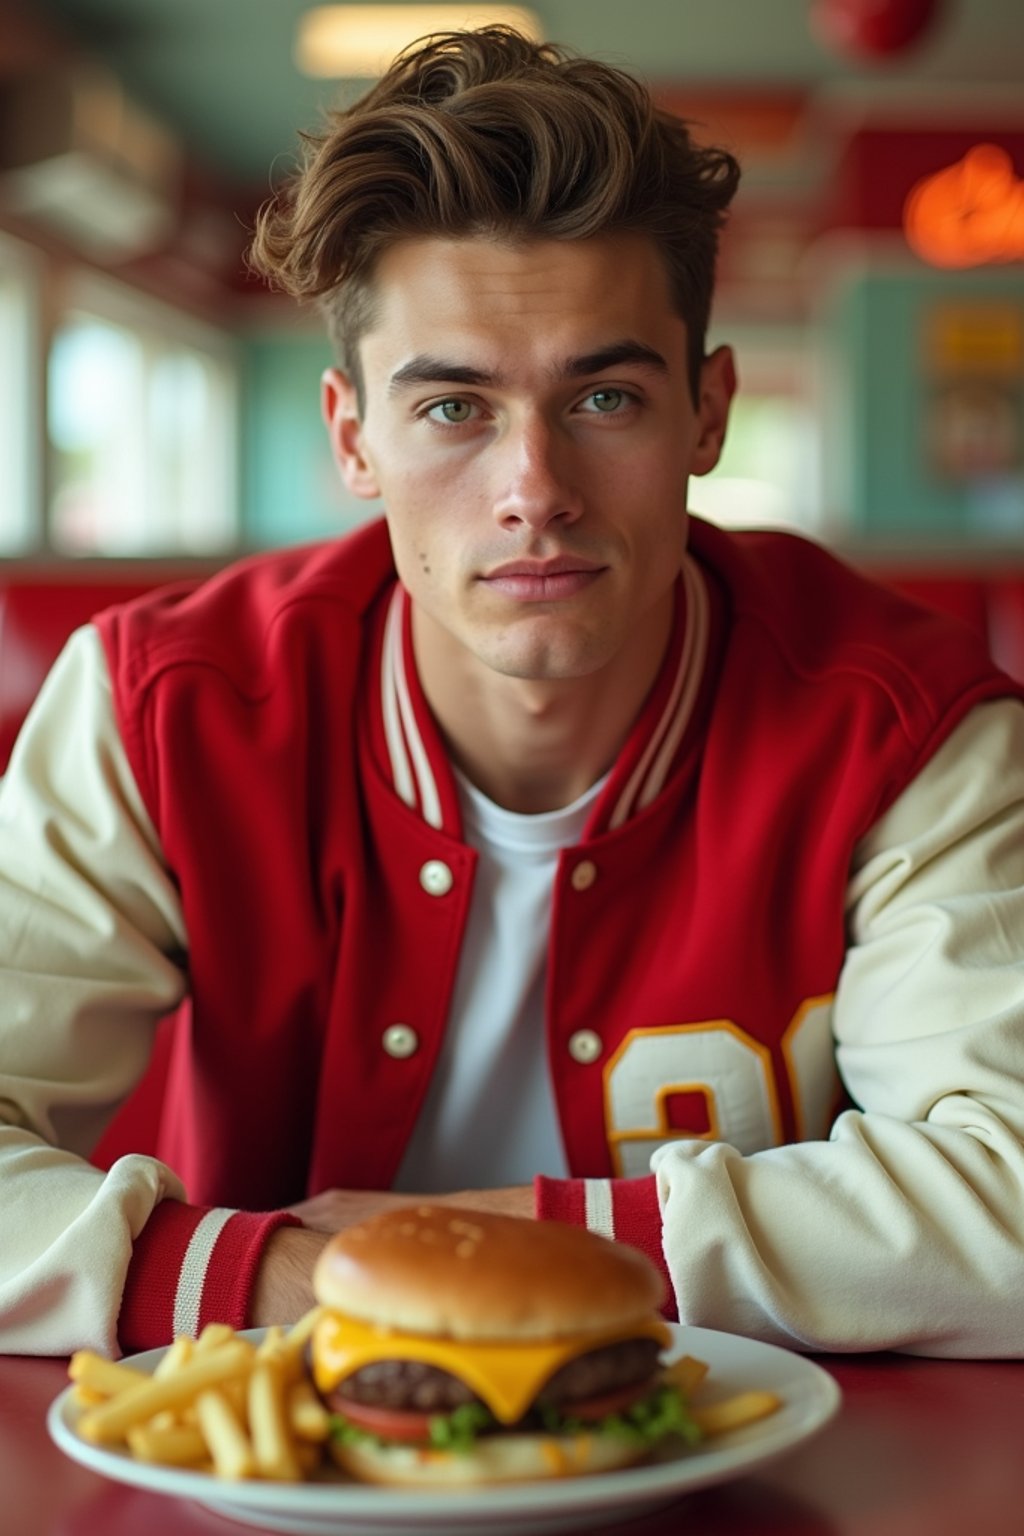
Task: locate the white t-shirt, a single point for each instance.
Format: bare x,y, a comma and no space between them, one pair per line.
491,1095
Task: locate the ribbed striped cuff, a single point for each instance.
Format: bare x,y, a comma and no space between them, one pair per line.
192,1265
624,1209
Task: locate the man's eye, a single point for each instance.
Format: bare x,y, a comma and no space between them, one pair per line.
607,400
455,411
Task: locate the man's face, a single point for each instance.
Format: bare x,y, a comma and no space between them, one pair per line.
529,424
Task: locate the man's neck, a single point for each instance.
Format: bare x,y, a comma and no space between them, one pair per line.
537,745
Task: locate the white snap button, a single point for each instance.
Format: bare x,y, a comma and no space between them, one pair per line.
584,875
585,1046
436,878
400,1040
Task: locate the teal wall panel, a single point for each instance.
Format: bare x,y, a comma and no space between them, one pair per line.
291,489
878,329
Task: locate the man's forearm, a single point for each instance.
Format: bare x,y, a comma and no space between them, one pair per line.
284,1280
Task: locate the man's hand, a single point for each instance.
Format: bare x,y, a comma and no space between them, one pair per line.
334,1209
515,1201
284,1280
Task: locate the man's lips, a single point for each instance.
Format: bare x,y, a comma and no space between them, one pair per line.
535,581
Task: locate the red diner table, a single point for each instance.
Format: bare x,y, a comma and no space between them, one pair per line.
918,1448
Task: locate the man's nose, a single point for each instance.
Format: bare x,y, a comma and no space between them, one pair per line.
537,484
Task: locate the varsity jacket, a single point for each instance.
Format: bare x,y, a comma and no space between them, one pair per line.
700,943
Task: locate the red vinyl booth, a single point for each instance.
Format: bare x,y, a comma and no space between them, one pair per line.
967,600
991,602
39,608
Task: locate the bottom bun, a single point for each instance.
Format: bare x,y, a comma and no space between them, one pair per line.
493,1459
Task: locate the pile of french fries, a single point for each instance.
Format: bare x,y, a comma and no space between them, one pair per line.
219,1404
716,1418
224,1405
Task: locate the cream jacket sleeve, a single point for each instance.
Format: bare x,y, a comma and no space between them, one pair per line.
905,1229
89,928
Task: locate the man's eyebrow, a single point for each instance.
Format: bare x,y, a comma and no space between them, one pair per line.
615,355
426,369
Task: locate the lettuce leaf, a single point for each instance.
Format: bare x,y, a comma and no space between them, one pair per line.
645,1423
457,1431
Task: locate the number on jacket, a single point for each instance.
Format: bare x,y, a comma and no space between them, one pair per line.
715,1082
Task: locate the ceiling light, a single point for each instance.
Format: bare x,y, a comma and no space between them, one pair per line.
345,41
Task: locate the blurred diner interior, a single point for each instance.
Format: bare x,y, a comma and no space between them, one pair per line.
159,408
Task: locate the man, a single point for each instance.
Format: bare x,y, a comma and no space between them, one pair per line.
538,832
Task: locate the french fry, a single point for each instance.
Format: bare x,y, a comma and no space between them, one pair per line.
229,1445
111,1422
213,1335
288,1348
237,1394
107,1377
299,1333
275,1456
272,1341
274,1349
168,1445
179,1354
307,1417
734,1412
686,1375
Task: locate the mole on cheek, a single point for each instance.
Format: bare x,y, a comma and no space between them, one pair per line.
424,561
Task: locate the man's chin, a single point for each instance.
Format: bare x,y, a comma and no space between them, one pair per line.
543,663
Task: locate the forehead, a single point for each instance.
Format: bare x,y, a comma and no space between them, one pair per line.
541,299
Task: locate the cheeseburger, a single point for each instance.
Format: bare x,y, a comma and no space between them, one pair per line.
457,1346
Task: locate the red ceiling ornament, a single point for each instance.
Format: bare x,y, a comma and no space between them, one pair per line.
872,29
969,214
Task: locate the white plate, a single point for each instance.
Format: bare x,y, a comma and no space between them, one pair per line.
810,1397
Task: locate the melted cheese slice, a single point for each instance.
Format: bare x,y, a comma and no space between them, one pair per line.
507,1377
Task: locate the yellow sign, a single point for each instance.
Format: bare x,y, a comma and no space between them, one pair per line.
976,338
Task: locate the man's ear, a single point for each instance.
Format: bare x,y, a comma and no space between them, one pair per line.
339,407
717,387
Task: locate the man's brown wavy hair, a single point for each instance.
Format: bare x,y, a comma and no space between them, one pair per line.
485,133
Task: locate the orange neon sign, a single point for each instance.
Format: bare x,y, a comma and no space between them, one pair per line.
970,214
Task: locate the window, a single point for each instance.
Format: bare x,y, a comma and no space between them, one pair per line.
142,421
769,475
19,431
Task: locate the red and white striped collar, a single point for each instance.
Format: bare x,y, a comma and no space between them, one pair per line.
411,771
419,767
662,734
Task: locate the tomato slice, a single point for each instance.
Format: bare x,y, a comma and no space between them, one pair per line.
387,1423
414,1428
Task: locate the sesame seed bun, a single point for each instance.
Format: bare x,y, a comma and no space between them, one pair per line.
460,1273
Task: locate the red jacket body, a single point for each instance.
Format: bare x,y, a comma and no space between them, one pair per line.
699,946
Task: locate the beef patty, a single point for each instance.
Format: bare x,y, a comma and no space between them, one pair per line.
423,1388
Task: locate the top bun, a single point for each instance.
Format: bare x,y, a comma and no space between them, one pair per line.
453,1272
